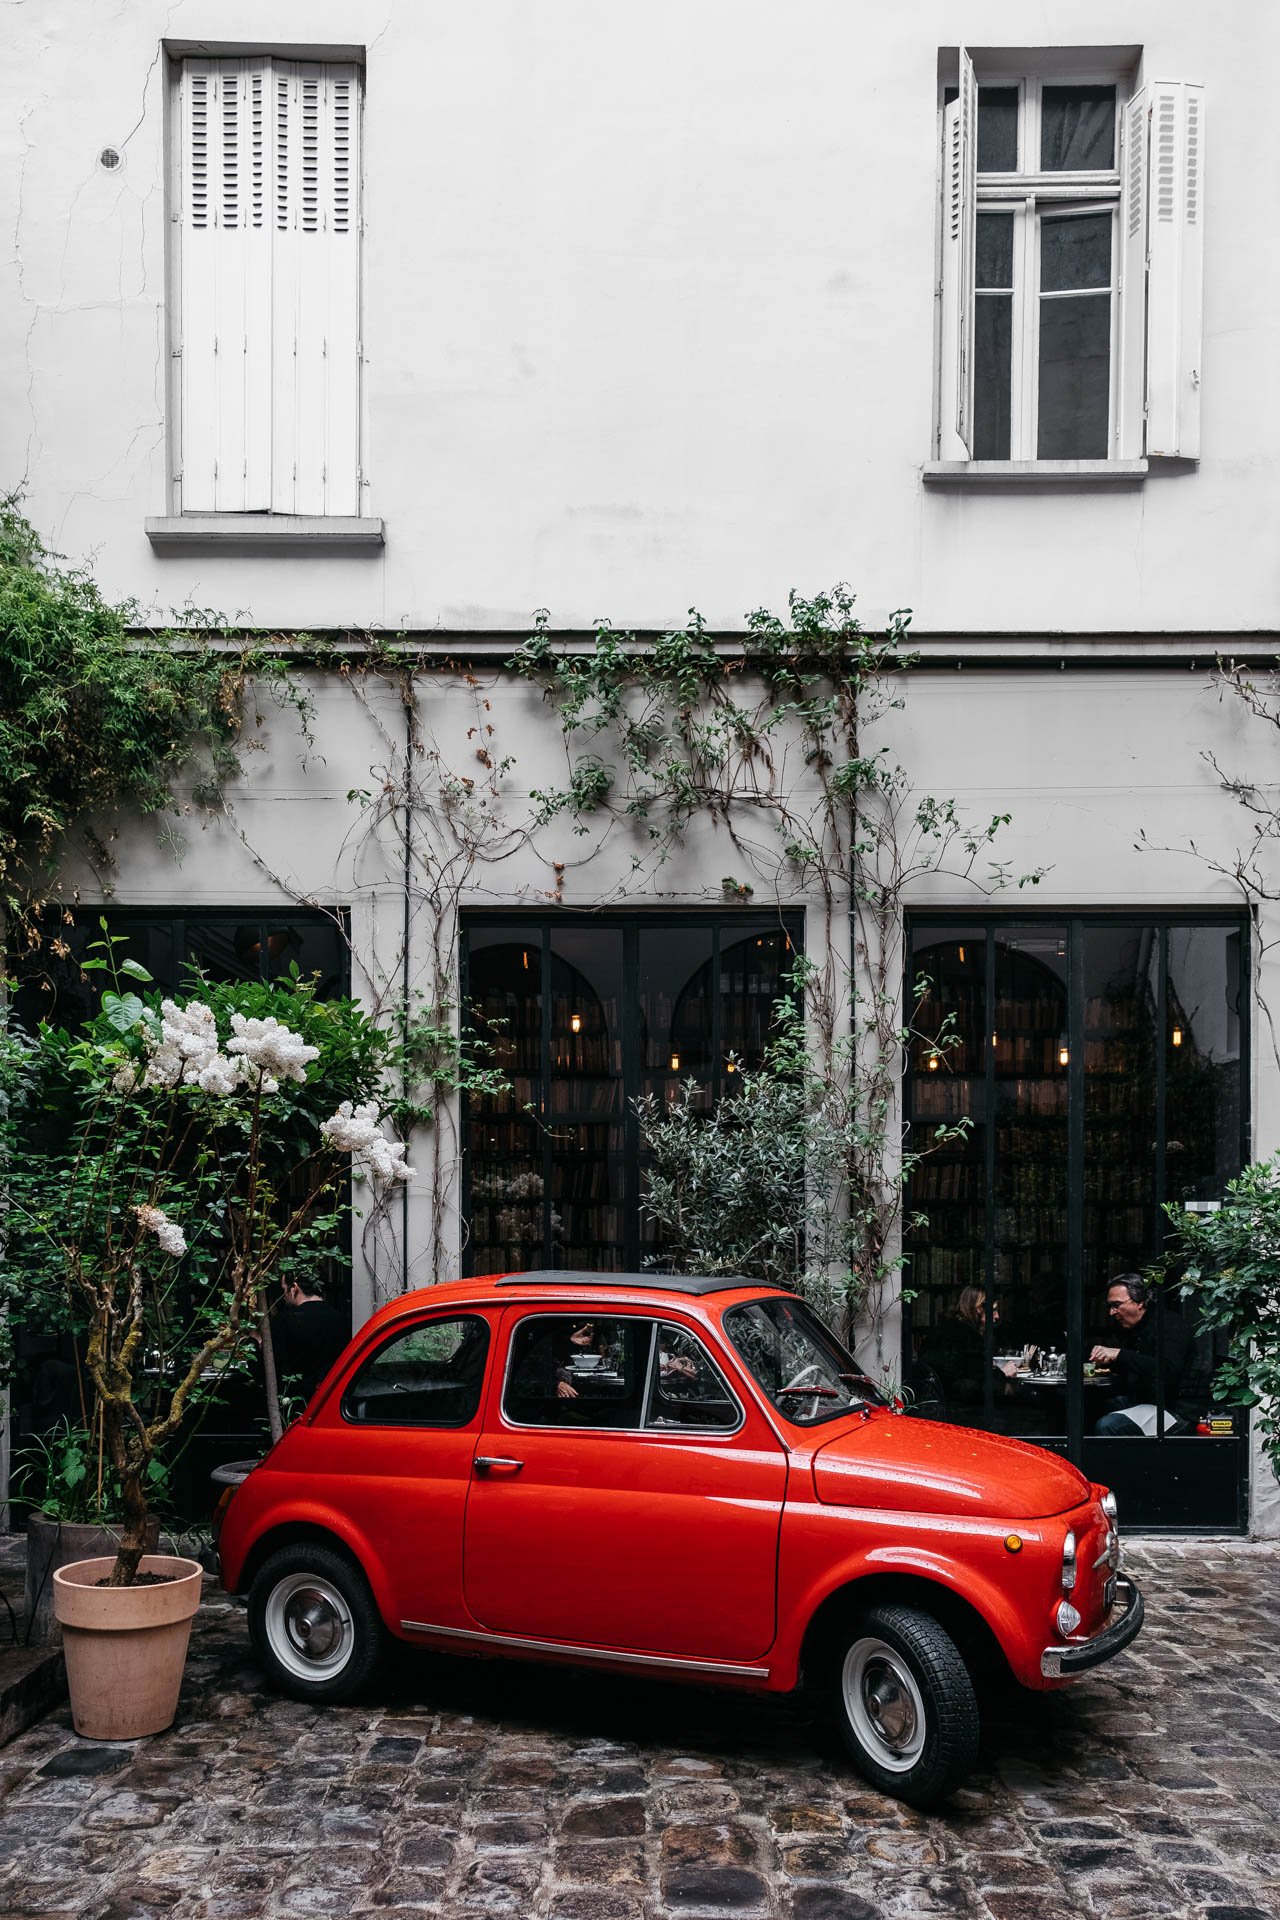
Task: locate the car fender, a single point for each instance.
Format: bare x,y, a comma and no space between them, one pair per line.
285,1517
984,1582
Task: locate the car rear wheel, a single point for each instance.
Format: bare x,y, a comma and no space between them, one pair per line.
314,1623
906,1704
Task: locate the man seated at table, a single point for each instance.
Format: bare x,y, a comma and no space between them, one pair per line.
1148,1336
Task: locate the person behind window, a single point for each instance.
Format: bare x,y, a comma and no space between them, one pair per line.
1135,1362
956,1352
307,1335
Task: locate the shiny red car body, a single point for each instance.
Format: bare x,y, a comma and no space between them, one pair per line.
735,1556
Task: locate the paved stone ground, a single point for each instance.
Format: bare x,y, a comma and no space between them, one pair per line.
1150,1789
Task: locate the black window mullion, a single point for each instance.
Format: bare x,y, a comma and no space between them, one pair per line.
717,1029
630,1094
989,1164
1075,1186
544,1099
1162,1030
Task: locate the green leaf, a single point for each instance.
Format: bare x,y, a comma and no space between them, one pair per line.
123,1011
136,971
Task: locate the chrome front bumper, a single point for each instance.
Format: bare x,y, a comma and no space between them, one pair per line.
1079,1656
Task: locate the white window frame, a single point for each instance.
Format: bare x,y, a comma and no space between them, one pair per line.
291,515
1028,193
1154,191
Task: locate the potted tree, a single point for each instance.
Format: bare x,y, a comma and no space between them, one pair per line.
203,1155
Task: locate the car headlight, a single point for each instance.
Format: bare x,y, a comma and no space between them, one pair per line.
1069,1562
1109,1507
1067,1617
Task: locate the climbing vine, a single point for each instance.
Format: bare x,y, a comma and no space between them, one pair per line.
98,717
762,748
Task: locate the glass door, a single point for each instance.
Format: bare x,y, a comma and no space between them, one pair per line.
1096,1063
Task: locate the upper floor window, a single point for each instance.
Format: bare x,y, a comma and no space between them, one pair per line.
268,286
1071,264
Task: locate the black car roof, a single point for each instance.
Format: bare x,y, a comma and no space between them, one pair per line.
660,1282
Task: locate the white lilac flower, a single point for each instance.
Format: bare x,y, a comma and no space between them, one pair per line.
170,1235
274,1050
357,1130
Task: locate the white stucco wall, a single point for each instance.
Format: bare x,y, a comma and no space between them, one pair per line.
649,322
649,319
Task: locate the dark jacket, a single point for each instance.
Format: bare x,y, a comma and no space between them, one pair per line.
306,1341
1137,1367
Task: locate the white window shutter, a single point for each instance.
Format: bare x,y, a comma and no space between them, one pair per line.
225,313
315,410
959,240
1175,222
1132,354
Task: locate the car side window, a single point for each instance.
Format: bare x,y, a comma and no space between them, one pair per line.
430,1375
578,1370
685,1389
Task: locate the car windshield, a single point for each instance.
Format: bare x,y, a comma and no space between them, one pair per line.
806,1373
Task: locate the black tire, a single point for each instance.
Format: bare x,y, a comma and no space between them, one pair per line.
905,1702
315,1624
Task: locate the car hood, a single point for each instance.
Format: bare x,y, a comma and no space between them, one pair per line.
902,1465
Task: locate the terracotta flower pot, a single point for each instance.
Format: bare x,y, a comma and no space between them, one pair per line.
125,1647
57,1543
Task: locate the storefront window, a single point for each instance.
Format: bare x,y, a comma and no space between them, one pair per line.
221,944
583,1016
1098,1063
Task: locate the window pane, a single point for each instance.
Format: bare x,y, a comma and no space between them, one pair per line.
675,1002
995,251
504,1139
429,1376
752,978
1120,1221
1075,377
1028,1306
992,375
946,1233
1077,128
686,1390
1074,252
226,949
316,947
1202,1062
577,1371
997,129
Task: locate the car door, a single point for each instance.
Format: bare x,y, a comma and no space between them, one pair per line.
393,1451
619,1499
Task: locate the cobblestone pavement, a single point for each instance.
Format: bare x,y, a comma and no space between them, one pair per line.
1151,1788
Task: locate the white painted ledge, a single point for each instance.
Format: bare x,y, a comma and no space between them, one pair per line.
266,533
1014,473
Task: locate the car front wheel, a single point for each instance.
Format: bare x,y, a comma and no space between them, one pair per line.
314,1623
905,1703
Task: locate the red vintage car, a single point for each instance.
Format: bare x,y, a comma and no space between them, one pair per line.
688,1476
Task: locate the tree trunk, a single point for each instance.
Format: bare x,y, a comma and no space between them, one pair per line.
274,1421
131,1465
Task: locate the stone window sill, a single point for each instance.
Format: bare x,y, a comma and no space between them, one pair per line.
265,533
1012,473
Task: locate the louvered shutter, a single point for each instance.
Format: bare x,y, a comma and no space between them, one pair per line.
1175,250
1133,278
315,407
959,238
226,287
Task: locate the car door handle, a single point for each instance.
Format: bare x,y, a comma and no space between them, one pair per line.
483,1462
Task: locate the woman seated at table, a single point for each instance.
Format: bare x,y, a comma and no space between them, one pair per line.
956,1351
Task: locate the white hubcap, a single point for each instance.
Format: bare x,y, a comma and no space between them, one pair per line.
885,1707
309,1627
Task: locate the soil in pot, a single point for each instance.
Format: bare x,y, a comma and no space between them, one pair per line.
126,1647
